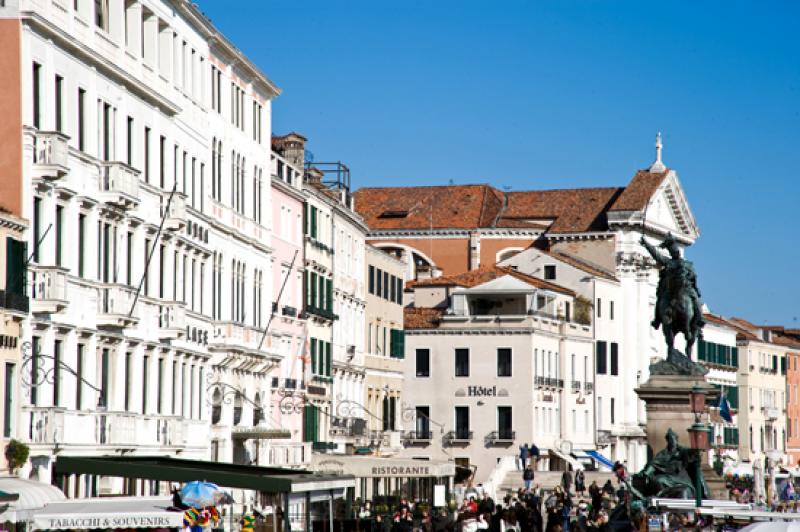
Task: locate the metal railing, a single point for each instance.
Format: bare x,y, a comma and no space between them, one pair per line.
417,436
501,436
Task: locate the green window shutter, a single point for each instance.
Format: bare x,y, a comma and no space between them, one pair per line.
322,302
16,257
735,357
401,341
305,288
329,294
328,359
313,301
313,222
392,343
305,220
315,433
313,356
783,365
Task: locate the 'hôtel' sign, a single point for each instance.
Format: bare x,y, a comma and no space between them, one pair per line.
482,391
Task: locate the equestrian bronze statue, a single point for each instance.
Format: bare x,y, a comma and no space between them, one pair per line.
678,306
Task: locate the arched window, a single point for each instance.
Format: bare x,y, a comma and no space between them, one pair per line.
258,412
237,409
216,406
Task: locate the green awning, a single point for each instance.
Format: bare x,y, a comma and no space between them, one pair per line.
263,479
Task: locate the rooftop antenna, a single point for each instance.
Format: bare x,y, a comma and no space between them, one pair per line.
658,166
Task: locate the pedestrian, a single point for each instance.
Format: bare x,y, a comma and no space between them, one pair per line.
527,477
524,452
566,481
533,451
580,482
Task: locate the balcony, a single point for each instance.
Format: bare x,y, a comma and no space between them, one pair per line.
771,413
119,184
50,155
13,301
176,215
48,289
114,303
455,437
415,437
289,311
588,387
540,381
501,437
61,428
321,313
172,321
576,386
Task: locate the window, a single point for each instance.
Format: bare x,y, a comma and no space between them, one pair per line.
129,135
162,161
128,360
503,362
399,300
614,356
79,379
101,14
104,377
57,344
59,95
129,259
147,155
599,307
59,234
611,310
613,408
462,423
550,272
423,422
37,95
423,363
600,354
8,400
81,119
599,413
145,382
372,279
505,429
380,282
462,362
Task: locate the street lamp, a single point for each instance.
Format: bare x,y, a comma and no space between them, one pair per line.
698,438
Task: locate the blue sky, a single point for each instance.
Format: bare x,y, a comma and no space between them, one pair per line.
560,94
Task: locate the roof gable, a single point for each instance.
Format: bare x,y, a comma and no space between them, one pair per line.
502,284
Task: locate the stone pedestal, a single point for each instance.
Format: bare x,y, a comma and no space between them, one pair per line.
666,400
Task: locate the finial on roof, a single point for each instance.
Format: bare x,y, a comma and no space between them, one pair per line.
658,166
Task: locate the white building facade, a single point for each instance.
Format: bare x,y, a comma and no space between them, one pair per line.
141,322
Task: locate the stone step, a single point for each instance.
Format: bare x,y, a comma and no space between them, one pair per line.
548,480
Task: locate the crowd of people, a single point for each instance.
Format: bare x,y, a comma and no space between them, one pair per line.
528,509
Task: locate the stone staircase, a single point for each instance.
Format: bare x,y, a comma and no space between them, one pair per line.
548,480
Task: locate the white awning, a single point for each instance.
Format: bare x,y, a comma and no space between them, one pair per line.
376,467
567,458
108,512
33,495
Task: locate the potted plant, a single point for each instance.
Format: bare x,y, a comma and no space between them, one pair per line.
16,455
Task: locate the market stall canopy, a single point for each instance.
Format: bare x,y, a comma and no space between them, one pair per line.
264,479
108,513
30,495
376,467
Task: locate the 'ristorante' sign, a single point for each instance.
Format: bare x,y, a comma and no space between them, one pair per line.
400,470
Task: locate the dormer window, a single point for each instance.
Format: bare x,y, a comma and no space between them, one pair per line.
550,272
393,214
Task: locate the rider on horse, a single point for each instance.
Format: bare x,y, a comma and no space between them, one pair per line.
675,272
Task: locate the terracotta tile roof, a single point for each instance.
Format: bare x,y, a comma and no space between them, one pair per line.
785,341
571,210
440,207
488,273
421,317
639,191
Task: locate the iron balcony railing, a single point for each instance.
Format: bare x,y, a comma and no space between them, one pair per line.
501,436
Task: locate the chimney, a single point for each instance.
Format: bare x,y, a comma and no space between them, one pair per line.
292,147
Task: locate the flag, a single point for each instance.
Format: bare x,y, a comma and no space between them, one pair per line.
724,408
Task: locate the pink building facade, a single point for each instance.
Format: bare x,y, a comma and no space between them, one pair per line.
288,329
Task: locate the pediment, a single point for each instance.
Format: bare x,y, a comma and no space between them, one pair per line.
668,210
